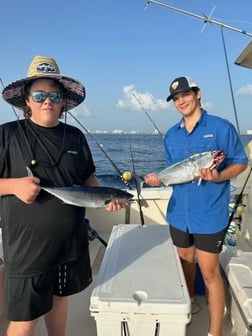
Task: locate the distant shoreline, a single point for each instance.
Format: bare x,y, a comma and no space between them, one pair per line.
119,132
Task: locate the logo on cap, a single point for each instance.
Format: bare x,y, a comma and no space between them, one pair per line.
175,85
46,67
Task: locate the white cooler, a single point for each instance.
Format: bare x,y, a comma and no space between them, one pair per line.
140,289
239,274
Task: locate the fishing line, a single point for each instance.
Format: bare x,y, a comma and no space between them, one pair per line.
102,149
146,112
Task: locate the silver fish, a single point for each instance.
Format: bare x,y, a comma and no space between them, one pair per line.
187,169
87,196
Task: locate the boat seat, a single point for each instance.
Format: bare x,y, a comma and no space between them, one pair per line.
238,271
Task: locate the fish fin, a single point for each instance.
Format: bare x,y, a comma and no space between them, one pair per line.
29,171
199,181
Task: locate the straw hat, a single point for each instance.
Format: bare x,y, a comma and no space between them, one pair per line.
44,67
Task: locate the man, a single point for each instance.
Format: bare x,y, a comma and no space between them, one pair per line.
45,241
198,214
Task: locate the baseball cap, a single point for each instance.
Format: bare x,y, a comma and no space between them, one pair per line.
181,84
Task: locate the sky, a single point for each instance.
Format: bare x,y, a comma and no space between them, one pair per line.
126,54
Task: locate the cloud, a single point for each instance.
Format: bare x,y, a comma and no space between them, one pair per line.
245,90
136,101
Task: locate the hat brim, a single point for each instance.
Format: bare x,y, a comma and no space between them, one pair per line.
74,90
179,91
169,98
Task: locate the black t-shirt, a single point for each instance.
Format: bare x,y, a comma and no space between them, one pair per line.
39,236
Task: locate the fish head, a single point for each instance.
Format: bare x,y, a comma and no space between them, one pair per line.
217,157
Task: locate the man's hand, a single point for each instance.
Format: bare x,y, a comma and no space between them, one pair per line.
152,179
26,188
115,205
210,174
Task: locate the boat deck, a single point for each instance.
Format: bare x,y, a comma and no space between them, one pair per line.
80,322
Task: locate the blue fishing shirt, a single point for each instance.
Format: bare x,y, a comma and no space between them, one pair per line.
202,208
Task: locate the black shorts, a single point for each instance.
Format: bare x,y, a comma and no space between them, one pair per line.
210,242
28,298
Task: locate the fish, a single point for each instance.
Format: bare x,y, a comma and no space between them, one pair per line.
87,196
187,170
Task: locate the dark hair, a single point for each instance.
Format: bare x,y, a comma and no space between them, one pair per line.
26,109
195,89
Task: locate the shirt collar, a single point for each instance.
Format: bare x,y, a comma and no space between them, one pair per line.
202,119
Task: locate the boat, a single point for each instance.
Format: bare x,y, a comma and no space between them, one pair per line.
81,321
235,262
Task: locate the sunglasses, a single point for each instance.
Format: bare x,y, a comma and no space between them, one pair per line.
40,96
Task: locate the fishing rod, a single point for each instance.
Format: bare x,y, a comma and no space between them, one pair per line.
92,233
205,18
239,198
138,187
102,149
124,176
146,112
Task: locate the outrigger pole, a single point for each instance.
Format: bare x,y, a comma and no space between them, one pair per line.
146,112
208,19
205,18
230,82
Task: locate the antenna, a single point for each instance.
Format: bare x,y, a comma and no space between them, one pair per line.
206,19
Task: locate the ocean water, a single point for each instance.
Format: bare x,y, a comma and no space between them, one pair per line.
139,153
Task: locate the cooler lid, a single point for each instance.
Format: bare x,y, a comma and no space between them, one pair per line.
140,272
